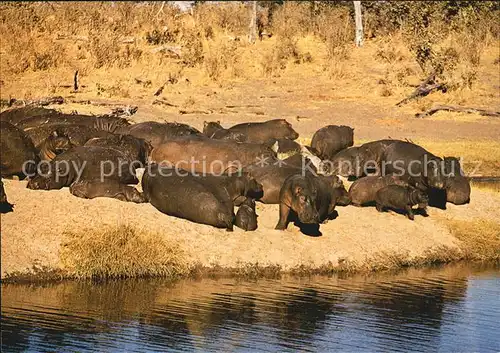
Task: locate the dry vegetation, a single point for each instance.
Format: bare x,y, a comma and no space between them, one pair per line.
481,238
447,38
121,252
115,46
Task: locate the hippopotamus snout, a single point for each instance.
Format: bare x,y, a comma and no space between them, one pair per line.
38,183
307,213
309,217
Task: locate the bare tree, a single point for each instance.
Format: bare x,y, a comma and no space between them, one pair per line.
252,28
359,23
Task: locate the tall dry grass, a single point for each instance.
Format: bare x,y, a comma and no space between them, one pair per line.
121,252
480,238
98,35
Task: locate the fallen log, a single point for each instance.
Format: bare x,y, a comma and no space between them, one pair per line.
163,102
183,112
43,101
424,89
450,108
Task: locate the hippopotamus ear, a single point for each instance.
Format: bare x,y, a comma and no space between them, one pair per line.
297,191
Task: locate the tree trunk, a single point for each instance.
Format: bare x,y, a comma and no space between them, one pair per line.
252,28
359,23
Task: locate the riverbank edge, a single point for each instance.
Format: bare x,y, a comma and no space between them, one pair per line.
253,271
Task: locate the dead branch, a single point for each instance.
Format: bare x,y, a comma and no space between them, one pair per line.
183,112
450,108
43,101
424,89
120,108
75,81
163,102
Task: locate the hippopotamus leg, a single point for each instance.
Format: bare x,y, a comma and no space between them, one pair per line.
409,212
284,213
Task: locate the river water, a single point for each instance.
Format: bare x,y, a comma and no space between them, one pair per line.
449,309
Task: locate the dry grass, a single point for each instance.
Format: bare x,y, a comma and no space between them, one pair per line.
38,37
121,252
480,238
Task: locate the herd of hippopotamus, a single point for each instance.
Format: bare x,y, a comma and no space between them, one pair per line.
203,176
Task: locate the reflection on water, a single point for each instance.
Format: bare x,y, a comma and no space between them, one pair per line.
453,308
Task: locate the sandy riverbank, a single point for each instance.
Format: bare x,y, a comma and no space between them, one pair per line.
45,224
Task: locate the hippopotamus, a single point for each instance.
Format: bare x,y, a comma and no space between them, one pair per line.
135,148
373,152
211,156
157,133
77,134
246,217
213,129
347,162
264,131
414,164
53,145
457,185
181,194
285,146
5,206
401,198
102,122
311,198
272,178
235,186
18,154
15,115
364,190
84,163
331,139
89,189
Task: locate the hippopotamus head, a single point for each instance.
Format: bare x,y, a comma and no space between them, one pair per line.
433,172
452,167
210,127
286,130
251,187
418,197
343,197
304,204
57,175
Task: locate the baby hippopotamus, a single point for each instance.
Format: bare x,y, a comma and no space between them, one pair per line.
399,197
246,218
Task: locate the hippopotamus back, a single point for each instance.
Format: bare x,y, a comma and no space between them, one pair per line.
157,133
331,139
84,163
209,155
413,163
16,150
16,115
77,134
261,132
102,122
364,190
136,149
184,196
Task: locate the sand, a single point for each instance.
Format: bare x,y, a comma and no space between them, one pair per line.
33,233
